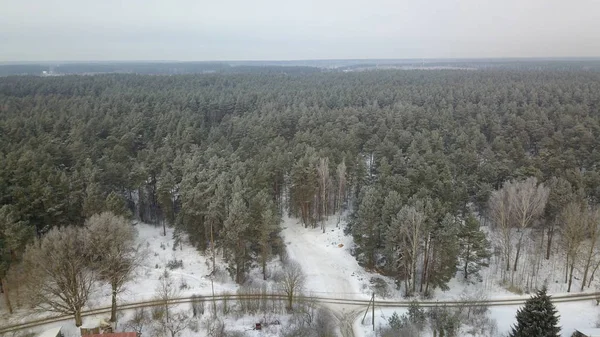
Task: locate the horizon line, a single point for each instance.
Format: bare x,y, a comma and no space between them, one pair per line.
512,58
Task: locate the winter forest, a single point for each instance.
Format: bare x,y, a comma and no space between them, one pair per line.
488,175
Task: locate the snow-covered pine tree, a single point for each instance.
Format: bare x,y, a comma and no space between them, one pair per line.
235,228
474,248
364,231
441,255
538,318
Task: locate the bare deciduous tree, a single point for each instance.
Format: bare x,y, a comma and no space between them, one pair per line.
169,322
528,200
574,232
410,222
341,180
112,251
140,319
500,210
292,281
516,204
214,327
323,172
60,279
592,218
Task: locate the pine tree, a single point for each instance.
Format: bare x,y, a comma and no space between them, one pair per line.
235,228
367,224
538,318
442,255
115,203
93,202
474,248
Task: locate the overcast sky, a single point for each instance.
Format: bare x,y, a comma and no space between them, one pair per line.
49,30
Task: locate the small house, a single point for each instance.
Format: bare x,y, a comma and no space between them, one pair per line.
54,332
587,332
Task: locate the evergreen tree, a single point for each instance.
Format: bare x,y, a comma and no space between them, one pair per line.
367,223
474,248
93,202
165,187
440,266
269,224
538,318
235,228
116,204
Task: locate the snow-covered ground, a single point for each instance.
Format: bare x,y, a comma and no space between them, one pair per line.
573,315
331,271
191,279
325,258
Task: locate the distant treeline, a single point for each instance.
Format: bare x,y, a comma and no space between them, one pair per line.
290,67
145,68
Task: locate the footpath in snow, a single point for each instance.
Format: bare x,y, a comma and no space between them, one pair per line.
331,271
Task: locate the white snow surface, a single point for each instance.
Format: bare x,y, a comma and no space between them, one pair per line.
572,316
331,271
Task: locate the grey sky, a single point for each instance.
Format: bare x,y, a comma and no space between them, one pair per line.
33,30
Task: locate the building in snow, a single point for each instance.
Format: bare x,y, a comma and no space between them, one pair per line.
54,332
587,332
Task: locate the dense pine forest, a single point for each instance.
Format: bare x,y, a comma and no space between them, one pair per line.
417,160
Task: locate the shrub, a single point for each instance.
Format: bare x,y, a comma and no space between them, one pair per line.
379,287
175,264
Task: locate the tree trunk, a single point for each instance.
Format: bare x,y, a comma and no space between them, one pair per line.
425,263
587,266
465,269
113,308
518,252
6,297
550,236
290,300
78,321
264,264
571,276
567,269
593,272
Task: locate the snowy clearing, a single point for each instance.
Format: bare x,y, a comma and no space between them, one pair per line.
325,258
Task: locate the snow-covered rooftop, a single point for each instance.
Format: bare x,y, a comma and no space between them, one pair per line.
50,333
590,332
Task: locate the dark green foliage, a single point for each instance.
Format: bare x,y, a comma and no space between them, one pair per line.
172,147
538,318
444,253
474,248
396,322
444,321
408,324
416,315
367,224
14,235
236,233
116,204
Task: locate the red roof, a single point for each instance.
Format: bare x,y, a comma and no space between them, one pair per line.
118,334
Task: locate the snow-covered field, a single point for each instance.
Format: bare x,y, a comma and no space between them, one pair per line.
331,271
